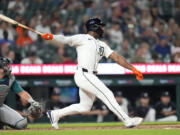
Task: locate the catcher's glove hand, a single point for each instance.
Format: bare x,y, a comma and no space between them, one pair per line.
35,110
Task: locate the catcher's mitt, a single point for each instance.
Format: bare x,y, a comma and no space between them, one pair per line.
35,110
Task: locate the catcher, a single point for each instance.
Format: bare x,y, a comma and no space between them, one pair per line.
8,116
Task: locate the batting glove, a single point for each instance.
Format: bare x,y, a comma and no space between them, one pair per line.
137,73
47,36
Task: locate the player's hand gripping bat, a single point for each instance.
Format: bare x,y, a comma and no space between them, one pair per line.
9,20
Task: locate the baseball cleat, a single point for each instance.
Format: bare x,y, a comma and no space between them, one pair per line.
53,120
132,122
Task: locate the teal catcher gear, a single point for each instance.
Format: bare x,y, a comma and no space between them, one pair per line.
5,85
8,116
8,83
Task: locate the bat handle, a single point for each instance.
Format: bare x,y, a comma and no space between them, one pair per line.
37,32
28,28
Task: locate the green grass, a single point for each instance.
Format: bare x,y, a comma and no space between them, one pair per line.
98,124
95,132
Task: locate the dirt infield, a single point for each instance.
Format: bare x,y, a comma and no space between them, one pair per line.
121,127
105,128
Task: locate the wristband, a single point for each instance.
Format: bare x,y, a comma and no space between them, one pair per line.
30,100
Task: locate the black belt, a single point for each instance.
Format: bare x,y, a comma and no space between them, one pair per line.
85,70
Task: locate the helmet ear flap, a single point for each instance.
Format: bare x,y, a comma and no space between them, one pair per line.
93,27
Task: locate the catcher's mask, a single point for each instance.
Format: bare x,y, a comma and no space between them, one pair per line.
94,24
5,65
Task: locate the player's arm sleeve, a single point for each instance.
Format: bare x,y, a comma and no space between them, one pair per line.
70,40
16,87
107,51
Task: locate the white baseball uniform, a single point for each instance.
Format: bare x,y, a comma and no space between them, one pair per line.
89,53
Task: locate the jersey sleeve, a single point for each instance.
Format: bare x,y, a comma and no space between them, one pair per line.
107,50
74,40
16,87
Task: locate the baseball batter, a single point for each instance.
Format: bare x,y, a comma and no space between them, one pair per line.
8,116
90,50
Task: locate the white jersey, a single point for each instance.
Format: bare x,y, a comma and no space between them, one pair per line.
89,53
89,50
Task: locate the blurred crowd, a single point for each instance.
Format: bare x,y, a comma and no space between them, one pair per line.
143,31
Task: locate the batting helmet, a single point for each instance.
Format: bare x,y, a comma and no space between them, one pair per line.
94,24
5,65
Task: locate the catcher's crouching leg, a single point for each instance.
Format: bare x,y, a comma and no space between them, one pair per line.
21,124
12,118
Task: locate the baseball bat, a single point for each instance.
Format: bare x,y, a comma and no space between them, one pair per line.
9,20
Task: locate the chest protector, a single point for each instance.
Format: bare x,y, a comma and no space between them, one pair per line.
5,86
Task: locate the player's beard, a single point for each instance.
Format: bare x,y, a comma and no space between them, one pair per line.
100,32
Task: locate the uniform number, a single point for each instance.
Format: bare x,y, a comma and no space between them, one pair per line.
101,51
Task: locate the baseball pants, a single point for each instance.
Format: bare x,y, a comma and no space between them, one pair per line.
12,118
168,118
89,88
150,116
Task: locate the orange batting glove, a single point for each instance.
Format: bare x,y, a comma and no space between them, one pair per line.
137,73
47,36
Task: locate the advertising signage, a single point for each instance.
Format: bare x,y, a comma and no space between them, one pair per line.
103,69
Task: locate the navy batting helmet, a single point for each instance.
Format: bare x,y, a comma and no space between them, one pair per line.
94,24
5,65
